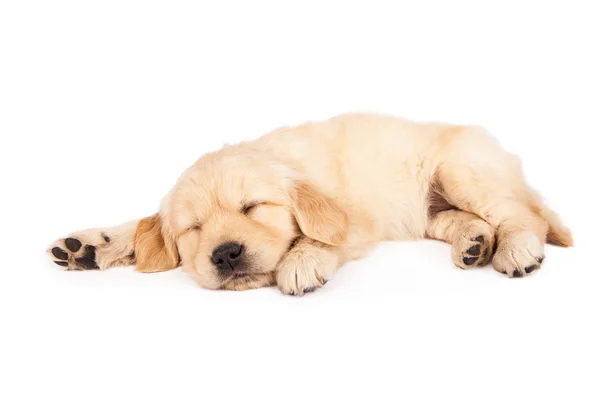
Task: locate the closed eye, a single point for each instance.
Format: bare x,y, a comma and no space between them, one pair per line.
249,206
193,228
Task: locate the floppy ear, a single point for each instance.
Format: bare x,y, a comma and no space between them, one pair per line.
319,217
155,249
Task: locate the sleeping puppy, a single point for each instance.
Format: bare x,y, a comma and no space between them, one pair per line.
293,206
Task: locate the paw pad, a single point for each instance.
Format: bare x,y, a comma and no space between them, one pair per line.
72,244
470,251
60,253
71,253
474,250
88,260
470,260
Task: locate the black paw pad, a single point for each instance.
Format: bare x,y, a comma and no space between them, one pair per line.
325,281
88,260
479,239
529,269
72,244
59,253
474,250
517,274
61,263
540,260
309,290
469,260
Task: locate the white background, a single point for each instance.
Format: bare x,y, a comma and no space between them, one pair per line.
104,103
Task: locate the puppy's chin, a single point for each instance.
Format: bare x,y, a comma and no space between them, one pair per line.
250,281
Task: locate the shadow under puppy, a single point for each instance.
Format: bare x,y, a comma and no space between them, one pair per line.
296,204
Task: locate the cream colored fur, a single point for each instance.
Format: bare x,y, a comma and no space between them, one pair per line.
304,200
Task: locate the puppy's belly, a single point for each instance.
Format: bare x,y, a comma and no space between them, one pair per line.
392,212
405,229
405,220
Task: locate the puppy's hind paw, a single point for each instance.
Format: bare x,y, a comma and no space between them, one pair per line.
519,255
473,249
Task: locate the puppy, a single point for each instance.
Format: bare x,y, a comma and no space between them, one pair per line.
293,206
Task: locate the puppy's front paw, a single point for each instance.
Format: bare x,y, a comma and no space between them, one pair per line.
519,255
303,271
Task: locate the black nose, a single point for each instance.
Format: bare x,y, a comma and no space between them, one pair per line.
228,255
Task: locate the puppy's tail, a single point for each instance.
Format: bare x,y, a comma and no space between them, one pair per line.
558,234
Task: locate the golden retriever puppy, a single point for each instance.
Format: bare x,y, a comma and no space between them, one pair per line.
293,206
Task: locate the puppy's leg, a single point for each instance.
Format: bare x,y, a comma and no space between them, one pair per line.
307,266
96,248
147,243
521,232
480,177
472,238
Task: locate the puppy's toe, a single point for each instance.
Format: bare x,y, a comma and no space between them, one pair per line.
59,253
73,244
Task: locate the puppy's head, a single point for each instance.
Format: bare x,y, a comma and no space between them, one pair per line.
232,217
